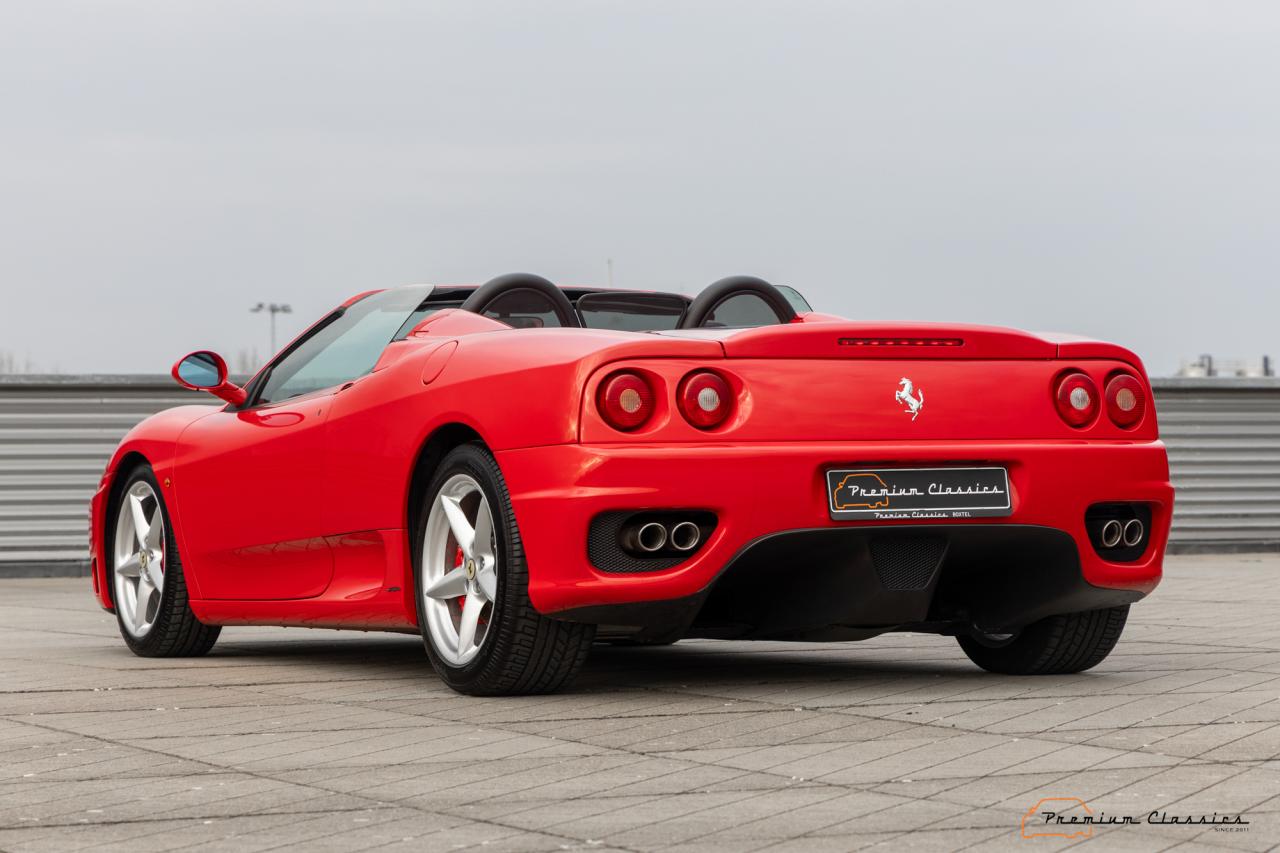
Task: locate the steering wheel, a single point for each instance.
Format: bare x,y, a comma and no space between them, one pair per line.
706,302
486,293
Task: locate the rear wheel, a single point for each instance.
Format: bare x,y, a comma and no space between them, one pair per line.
1070,642
482,634
148,586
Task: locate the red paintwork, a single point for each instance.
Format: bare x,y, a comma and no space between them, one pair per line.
296,513
257,548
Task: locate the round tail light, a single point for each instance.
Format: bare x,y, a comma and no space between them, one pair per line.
705,399
1126,400
1077,399
625,400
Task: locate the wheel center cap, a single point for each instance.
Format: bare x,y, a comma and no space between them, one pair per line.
471,569
144,559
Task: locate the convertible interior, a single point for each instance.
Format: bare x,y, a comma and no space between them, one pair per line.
527,301
319,360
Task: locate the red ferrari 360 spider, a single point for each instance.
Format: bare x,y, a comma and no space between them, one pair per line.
518,470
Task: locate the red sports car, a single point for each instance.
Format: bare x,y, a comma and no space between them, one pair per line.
519,470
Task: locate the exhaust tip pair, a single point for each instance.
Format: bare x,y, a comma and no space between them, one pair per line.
1115,532
653,536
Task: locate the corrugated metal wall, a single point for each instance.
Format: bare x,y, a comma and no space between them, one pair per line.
1224,453
56,434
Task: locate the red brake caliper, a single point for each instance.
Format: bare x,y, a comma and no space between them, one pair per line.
458,559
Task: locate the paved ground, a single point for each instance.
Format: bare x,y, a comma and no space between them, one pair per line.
337,741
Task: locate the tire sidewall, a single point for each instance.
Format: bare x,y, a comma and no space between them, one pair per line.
478,464
1056,645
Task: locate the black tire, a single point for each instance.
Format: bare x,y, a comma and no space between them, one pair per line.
176,631
1057,645
523,652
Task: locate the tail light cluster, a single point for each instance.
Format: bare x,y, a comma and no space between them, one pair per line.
1079,401
1126,400
627,401
705,399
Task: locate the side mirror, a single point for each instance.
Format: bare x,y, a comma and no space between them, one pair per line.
206,371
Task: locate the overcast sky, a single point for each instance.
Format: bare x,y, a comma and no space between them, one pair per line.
1110,168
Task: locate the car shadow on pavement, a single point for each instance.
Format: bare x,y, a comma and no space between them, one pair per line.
711,663
706,663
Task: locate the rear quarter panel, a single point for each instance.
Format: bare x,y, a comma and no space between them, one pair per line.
515,389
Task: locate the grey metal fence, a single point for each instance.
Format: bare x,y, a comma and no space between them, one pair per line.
56,433
1223,437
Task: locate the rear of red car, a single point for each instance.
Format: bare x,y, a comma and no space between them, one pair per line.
836,480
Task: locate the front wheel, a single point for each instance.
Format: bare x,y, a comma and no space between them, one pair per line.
149,589
482,634
1056,645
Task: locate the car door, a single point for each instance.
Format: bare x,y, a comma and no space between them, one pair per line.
250,481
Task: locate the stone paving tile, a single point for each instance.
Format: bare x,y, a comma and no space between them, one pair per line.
207,796
329,741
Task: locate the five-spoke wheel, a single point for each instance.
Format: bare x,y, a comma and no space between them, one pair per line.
459,569
148,588
139,558
481,632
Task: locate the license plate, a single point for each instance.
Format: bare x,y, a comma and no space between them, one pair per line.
920,493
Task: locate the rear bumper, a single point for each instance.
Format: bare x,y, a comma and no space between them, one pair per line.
851,583
761,490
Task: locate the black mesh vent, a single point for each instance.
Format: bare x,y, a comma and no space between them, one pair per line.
607,555
907,562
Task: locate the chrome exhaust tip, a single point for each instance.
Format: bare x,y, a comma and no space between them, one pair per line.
1133,532
1113,532
685,536
651,537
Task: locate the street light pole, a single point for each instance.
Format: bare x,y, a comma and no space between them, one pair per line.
273,309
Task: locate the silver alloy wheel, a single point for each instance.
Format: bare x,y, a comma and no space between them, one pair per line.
459,579
138,561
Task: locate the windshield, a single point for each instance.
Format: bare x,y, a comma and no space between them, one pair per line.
345,346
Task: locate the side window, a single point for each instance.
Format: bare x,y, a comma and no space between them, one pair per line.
523,309
742,310
346,348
